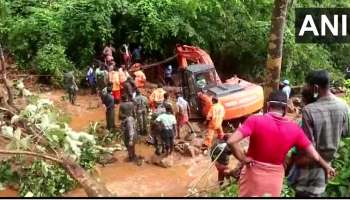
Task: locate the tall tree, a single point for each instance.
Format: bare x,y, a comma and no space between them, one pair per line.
4,79
275,45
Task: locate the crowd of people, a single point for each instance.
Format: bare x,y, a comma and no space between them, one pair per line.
313,142
154,116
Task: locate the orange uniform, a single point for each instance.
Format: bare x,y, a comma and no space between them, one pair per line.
215,117
122,76
114,79
157,97
140,79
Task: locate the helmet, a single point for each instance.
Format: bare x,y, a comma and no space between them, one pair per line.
286,82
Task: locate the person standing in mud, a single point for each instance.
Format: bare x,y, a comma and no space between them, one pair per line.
126,116
167,101
108,102
91,79
129,88
182,117
157,97
126,109
215,118
222,152
101,78
114,81
168,129
141,104
70,86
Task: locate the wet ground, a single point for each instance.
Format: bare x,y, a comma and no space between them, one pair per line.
128,179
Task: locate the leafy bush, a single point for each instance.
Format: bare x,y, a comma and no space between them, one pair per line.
340,185
51,60
89,155
230,191
45,180
7,175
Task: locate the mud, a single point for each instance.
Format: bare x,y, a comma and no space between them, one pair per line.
128,179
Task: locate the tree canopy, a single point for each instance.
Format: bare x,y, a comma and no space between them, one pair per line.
234,32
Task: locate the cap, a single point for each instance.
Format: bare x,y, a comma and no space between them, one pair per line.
286,82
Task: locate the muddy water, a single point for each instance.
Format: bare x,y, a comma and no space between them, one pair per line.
127,179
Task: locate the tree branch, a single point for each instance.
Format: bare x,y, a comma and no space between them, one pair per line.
28,153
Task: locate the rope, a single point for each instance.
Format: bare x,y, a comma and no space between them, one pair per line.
207,170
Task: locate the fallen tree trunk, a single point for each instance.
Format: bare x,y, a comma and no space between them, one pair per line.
92,187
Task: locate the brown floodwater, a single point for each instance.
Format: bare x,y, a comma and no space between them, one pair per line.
128,179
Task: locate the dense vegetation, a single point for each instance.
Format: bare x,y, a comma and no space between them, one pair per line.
41,128
51,35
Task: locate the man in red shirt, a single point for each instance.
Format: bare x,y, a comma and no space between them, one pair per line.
271,137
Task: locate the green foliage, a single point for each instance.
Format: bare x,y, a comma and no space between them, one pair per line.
51,60
103,136
7,175
235,33
347,91
41,179
230,191
340,186
287,190
89,155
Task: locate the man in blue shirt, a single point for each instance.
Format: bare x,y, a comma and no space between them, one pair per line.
168,122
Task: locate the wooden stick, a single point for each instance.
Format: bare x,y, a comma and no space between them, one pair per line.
29,153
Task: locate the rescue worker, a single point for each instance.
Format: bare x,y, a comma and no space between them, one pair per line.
91,79
126,116
168,73
168,129
157,97
101,78
215,118
129,88
182,111
141,104
221,152
140,78
167,101
70,86
156,129
127,108
122,74
108,103
114,80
